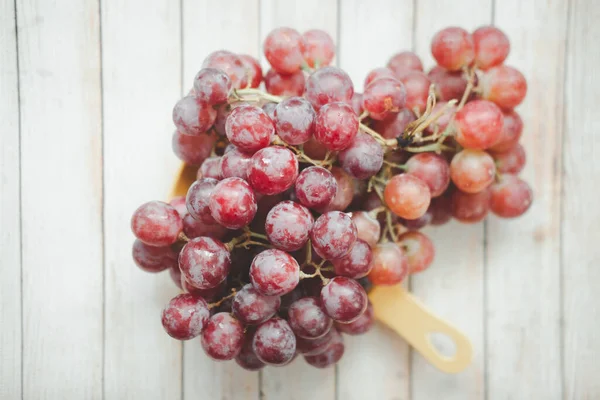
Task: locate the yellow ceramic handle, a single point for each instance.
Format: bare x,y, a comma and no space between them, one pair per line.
403,313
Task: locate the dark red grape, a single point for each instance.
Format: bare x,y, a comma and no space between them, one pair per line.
223,337
329,356
251,307
363,158
246,358
205,262
185,316
361,325
274,272
156,224
470,208
274,342
357,263
343,299
333,235
232,203
294,120
307,319
288,226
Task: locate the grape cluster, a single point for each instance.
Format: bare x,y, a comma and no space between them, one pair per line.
308,193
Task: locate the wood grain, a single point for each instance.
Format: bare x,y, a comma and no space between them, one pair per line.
61,164
453,286
10,208
580,214
210,26
368,38
522,268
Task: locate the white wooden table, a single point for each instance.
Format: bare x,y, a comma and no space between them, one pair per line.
86,91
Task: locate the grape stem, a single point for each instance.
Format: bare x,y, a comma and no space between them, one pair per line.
435,147
318,272
390,226
402,167
375,212
245,240
182,237
251,94
218,303
303,157
470,82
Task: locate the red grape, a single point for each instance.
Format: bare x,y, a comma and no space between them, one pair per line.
274,342
210,168
246,358
307,319
197,199
404,62
193,228
345,191
343,299
274,272
395,124
156,223
357,103
444,120
192,116
235,163
269,108
357,263
453,48
231,64
310,347
379,73
212,86
178,202
407,196
449,85
418,223
511,161
383,97
315,187
504,85
185,316
294,120
512,128
285,85
273,170
431,169
333,235
389,265
367,227
223,337
232,203
416,84
419,250
491,47
510,196
478,124
253,70
336,125
441,209
361,325
251,307
363,158
205,262
319,48
152,258
288,225
470,208
223,112
249,128
191,149
328,85
472,170
283,49
329,356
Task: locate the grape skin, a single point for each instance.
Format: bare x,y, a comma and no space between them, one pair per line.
288,226
510,196
407,196
274,342
193,150
223,337
389,266
453,48
307,319
319,48
152,258
251,307
470,207
361,325
283,48
343,299
363,158
249,128
205,262
357,263
336,126
367,227
156,224
185,316
316,187
419,250
192,116
333,235
232,203
294,120
274,272
273,170
472,170
328,85
285,85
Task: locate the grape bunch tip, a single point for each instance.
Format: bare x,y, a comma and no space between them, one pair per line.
308,192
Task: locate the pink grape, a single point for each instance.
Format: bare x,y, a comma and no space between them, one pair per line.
345,191
510,196
232,203
383,97
192,116
379,73
511,161
470,207
449,85
198,197
307,319
247,358
389,265
285,85
249,128
503,85
319,48
178,203
453,48
357,263
367,227
251,307
283,48
336,126
419,250
269,108
223,337
329,356
394,125
431,169
288,225
512,128
193,150
416,84
491,47
478,124
274,342
404,62
274,272
193,228
185,316
294,120
273,170
360,326
472,170
328,85
333,235
253,70
343,299
210,168
156,224
315,187
152,258
229,63
223,112
363,158
205,262
314,149
356,103
407,196
212,86
235,163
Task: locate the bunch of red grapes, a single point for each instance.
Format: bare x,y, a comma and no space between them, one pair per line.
308,192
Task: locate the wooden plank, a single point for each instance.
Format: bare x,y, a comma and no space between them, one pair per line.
10,208
453,286
522,270
234,26
141,83
580,214
370,34
61,139
298,380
